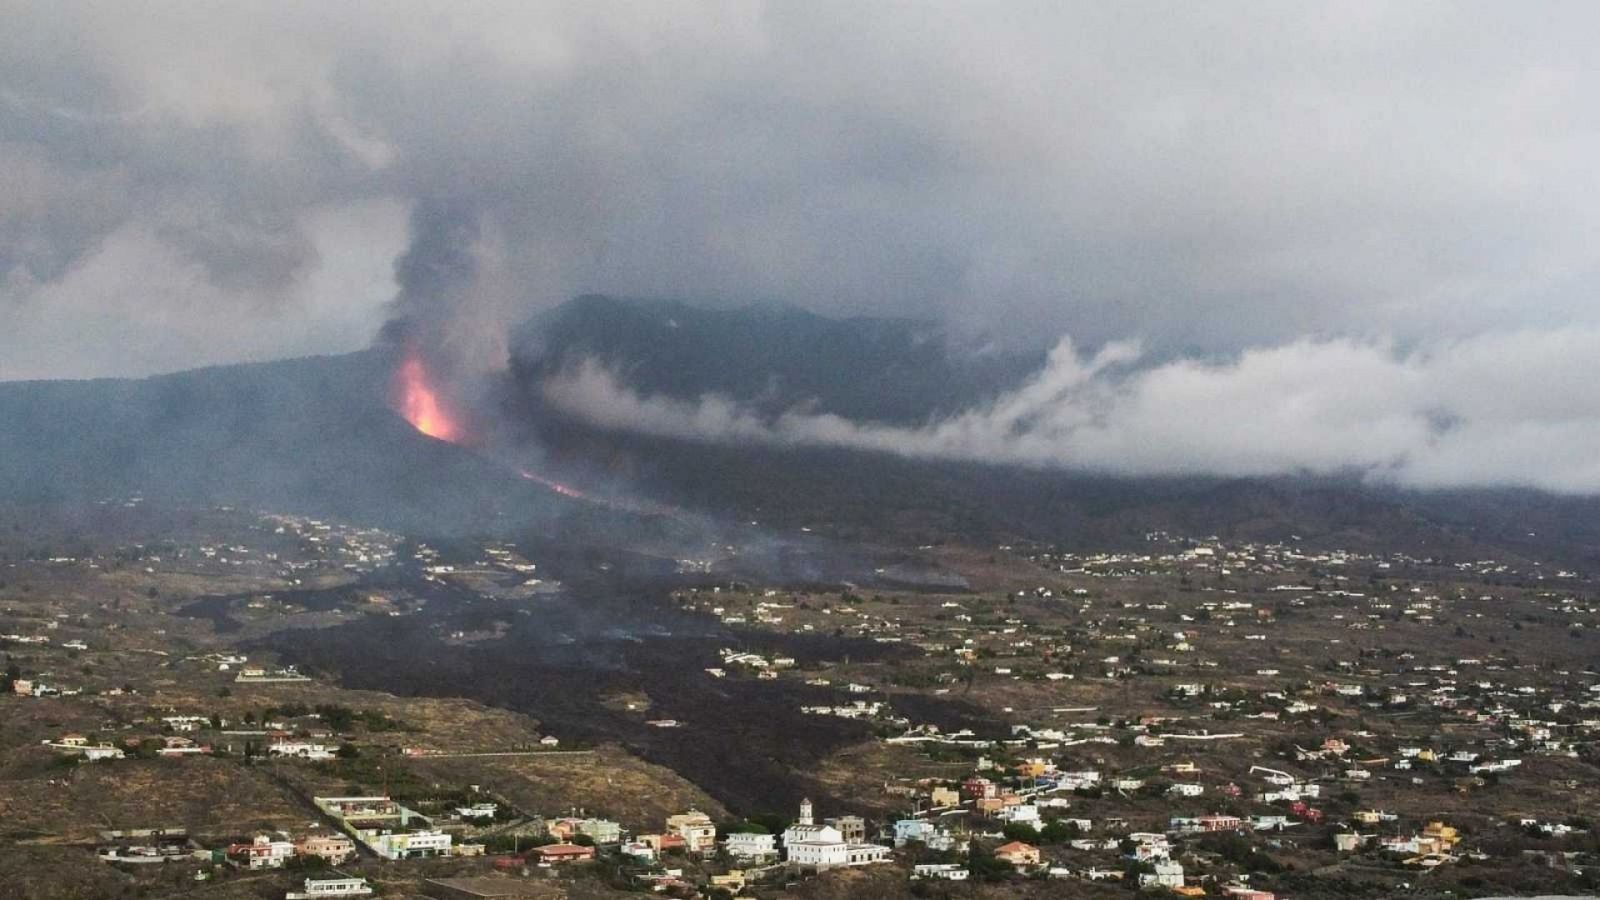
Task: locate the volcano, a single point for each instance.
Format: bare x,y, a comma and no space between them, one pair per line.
371,437
317,435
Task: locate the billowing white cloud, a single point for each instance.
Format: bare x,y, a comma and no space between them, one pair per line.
1515,409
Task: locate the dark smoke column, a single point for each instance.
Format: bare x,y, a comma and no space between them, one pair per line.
438,278
439,350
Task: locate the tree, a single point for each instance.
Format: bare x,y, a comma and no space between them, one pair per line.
307,862
1057,832
984,866
773,823
741,827
1018,831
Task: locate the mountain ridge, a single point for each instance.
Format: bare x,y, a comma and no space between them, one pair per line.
318,434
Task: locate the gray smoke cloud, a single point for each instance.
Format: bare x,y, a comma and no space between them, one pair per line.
1224,183
450,302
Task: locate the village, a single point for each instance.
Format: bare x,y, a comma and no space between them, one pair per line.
1197,718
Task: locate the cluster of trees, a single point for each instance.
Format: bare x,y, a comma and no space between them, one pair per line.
984,866
339,718
1238,849
1055,831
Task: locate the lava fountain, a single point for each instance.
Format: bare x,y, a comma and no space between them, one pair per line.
419,402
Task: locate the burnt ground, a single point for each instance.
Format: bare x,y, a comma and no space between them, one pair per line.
217,607
560,660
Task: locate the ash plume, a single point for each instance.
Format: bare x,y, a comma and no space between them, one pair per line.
441,284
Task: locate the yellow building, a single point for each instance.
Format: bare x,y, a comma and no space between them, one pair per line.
1446,835
1034,768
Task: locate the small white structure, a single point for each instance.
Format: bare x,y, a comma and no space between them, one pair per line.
942,871
300,750
79,745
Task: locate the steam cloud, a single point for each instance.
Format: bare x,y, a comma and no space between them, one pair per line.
1503,410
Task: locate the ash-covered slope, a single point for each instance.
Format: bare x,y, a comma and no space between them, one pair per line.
903,371
769,358
311,434
317,435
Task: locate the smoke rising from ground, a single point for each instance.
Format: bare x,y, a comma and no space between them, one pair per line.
1511,410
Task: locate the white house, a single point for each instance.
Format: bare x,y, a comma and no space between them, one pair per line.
336,886
638,850
266,852
1021,814
1148,846
300,750
184,723
752,846
1168,874
411,845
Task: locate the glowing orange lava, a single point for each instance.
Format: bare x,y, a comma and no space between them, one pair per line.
420,404
570,492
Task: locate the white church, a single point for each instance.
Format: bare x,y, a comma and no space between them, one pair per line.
814,846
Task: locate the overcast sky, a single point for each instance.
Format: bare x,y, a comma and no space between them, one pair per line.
197,183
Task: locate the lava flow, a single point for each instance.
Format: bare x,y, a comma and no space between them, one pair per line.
419,402
612,503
